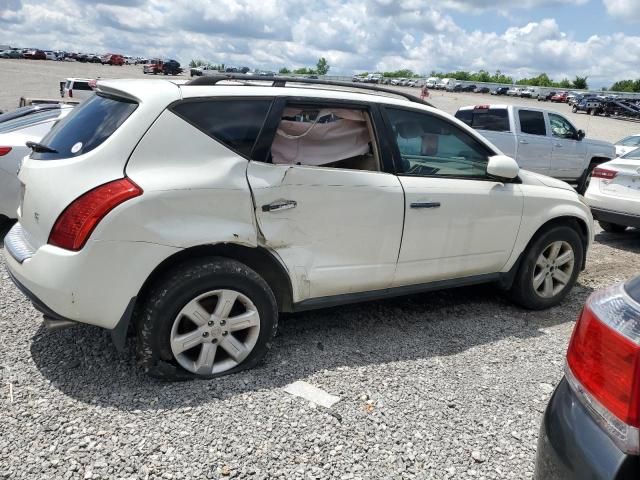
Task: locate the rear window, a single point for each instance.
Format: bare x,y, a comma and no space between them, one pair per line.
493,119
28,120
234,123
86,127
80,86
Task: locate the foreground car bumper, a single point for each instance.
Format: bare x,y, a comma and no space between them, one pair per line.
95,285
572,446
618,218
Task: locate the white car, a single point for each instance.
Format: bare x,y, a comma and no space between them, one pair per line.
514,92
50,55
77,88
614,193
13,137
627,144
199,211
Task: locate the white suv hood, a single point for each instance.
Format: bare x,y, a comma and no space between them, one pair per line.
531,178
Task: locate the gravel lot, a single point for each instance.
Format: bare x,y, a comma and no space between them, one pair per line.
441,385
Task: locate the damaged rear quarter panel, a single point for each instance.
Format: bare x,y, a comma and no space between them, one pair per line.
195,191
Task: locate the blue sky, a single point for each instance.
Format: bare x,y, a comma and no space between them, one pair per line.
564,38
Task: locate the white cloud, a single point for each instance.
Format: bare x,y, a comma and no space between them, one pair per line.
627,10
354,35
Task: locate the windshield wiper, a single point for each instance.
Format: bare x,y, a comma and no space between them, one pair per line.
40,148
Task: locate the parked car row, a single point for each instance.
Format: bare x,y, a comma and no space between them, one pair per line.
37,54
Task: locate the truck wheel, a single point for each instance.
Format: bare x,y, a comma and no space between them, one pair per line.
592,112
612,227
549,269
574,109
207,318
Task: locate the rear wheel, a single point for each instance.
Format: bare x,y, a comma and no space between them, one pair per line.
612,227
206,319
549,269
574,109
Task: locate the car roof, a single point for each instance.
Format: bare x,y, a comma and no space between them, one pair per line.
148,90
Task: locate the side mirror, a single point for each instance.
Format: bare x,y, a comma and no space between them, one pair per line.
502,167
581,134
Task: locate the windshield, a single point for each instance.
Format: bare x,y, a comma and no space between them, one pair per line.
86,127
632,141
632,155
28,120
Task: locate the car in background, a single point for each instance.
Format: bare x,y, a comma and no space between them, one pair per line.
35,55
528,93
172,67
28,110
545,96
614,193
589,105
591,426
112,59
627,144
14,134
542,141
354,78
77,88
482,90
49,55
560,97
500,91
431,82
468,88
13,53
514,92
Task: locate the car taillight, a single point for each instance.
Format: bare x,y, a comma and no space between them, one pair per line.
70,93
4,151
603,173
603,364
75,224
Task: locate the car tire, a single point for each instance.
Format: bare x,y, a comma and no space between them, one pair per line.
172,346
574,109
557,279
612,227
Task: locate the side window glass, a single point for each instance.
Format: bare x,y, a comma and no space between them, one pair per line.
333,137
561,128
431,146
532,122
234,123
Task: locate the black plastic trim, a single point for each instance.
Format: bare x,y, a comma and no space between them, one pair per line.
617,218
334,300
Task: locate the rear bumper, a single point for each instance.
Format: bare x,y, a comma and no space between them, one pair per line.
572,446
618,218
94,286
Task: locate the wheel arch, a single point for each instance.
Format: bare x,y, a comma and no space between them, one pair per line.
572,221
259,259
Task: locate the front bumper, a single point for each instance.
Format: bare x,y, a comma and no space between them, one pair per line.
572,446
618,218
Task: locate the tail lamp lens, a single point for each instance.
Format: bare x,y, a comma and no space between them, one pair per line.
4,151
603,364
76,223
603,173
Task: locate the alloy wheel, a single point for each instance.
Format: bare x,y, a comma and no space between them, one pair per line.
215,332
553,269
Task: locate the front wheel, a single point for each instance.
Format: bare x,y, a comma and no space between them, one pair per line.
207,318
612,227
549,269
574,109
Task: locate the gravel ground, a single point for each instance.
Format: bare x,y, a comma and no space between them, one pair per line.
441,385
40,79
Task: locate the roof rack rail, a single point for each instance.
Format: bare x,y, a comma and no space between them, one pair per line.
210,80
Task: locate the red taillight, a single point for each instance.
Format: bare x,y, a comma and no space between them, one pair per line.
605,173
70,93
603,363
4,151
75,224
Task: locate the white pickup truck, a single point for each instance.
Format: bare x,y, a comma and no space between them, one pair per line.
539,140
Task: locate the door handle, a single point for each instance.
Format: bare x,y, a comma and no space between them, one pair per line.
524,142
279,205
425,205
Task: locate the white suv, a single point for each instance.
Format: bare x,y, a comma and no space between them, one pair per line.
199,211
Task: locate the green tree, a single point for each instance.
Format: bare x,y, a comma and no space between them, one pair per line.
580,83
194,63
564,83
284,71
322,67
